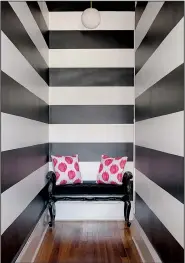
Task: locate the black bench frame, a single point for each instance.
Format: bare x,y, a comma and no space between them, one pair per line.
126,198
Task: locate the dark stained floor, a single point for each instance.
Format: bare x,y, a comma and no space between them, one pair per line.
88,242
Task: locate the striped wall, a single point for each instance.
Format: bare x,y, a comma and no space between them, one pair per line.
24,121
159,129
91,83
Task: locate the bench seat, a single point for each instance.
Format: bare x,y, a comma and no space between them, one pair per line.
89,188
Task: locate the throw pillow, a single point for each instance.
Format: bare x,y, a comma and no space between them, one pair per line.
111,170
66,169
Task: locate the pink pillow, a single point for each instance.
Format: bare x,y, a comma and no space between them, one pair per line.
66,169
111,170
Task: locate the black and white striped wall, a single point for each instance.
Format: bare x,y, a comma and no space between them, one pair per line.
24,121
91,89
159,130
91,83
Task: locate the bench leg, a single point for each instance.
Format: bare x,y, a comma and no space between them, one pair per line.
127,208
51,206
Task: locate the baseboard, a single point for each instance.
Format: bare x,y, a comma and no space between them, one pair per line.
144,246
84,210
33,244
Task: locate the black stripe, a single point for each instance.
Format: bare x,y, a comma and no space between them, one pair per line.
167,18
168,249
140,7
91,114
91,76
15,31
164,97
166,170
39,19
16,164
17,234
91,152
17,100
91,39
82,5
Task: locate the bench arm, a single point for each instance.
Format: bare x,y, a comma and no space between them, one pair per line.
51,177
51,183
127,182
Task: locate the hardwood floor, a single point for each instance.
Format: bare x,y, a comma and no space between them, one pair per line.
88,242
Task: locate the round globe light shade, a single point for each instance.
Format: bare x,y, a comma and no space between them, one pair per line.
91,18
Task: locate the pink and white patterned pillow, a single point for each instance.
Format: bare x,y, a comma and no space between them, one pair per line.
111,170
66,169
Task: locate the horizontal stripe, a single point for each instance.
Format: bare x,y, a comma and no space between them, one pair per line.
44,11
91,77
95,114
92,95
28,188
39,19
166,170
149,104
167,208
147,18
109,21
164,133
91,133
91,58
18,163
21,229
20,70
12,102
159,31
167,247
89,170
91,39
139,9
155,68
80,211
17,132
22,31
82,5
91,152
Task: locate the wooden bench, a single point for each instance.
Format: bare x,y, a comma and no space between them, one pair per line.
90,191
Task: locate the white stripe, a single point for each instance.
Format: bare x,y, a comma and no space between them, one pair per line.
94,210
14,64
167,208
146,20
45,12
92,95
18,132
168,56
91,133
89,170
164,133
25,16
82,58
17,198
109,21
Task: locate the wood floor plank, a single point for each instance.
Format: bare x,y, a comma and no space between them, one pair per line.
88,242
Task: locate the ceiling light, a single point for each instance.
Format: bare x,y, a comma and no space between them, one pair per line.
91,18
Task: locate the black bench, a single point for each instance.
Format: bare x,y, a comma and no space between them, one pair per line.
90,191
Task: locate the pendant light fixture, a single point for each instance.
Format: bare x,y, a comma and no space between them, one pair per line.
91,17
